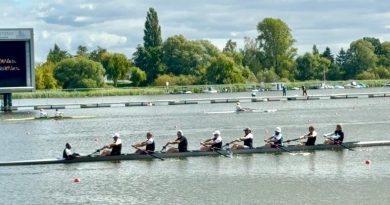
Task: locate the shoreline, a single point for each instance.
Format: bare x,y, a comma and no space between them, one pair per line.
166,90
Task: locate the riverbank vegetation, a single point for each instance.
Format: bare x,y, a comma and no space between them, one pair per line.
177,61
177,89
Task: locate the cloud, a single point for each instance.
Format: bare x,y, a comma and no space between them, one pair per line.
118,24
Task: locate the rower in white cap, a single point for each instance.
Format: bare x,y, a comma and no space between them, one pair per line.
276,140
42,113
113,148
214,142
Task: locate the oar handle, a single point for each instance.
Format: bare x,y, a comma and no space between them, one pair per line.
292,140
98,150
229,143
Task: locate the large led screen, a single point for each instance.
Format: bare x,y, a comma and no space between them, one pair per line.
13,64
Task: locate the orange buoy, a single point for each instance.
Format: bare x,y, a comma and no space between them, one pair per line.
76,180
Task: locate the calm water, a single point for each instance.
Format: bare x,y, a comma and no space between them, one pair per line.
322,177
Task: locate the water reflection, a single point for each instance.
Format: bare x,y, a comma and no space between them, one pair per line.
340,160
312,162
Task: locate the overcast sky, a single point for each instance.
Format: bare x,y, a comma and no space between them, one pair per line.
118,24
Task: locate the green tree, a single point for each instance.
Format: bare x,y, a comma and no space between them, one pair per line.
251,55
312,67
148,57
376,43
82,51
175,80
374,73
116,66
184,57
335,72
152,31
223,70
138,76
305,64
342,58
44,76
328,54
79,73
361,57
277,43
315,50
230,46
56,55
97,54
384,59
267,76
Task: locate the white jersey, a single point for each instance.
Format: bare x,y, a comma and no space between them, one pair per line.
68,152
150,141
58,114
277,137
314,134
248,136
42,114
218,140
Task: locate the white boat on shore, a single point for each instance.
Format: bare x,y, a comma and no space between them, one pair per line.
210,90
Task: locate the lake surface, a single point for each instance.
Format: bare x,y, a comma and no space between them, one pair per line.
322,177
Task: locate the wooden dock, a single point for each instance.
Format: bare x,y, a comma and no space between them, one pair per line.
206,100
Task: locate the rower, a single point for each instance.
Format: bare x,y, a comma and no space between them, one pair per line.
247,138
148,144
276,140
58,114
335,137
311,137
42,113
181,142
213,143
239,108
68,154
113,148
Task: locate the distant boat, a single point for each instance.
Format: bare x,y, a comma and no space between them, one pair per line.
243,111
324,86
49,118
353,84
210,90
183,92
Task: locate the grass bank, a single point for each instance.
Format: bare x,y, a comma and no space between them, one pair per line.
125,91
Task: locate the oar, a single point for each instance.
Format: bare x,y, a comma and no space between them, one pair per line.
98,150
229,143
341,144
148,153
247,109
292,140
283,148
348,148
164,147
217,151
157,157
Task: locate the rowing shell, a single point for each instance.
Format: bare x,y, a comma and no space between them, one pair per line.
50,118
292,148
251,110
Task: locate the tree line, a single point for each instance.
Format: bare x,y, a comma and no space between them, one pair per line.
268,57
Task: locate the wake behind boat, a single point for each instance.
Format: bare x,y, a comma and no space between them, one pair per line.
49,118
289,149
241,111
